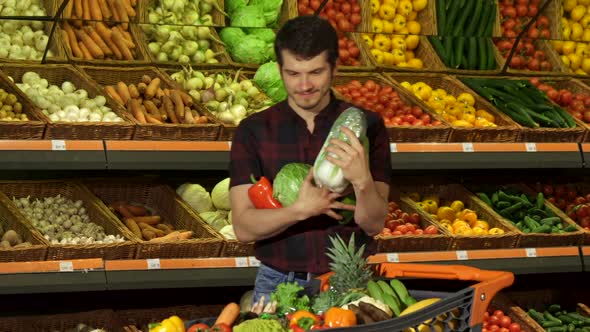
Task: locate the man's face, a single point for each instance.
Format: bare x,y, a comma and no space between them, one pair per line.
307,81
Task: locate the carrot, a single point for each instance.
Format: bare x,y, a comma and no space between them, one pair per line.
186,99
133,3
152,88
120,43
94,8
188,116
133,106
150,119
114,10
229,314
86,9
169,109
113,94
105,34
129,8
73,41
146,79
148,234
165,228
78,8
185,235
178,104
99,42
141,87
123,91
153,110
68,10
201,119
126,36
123,211
85,51
124,18
173,236
104,9
66,38
90,44
160,94
150,220
132,225
133,91
137,210
158,232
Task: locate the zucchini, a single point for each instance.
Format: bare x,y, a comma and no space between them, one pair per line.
489,25
441,16
467,12
440,49
454,10
472,26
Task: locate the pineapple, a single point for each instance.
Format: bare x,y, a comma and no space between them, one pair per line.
351,271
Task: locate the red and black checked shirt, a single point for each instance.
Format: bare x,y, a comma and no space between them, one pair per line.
266,141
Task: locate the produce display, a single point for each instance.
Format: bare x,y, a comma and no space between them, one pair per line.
399,222
22,39
575,37
11,109
575,104
567,198
63,221
498,321
554,318
464,31
230,98
459,110
11,239
523,102
146,225
529,214
384,100
65,103
454,216
149,103
100,29
178,31
395,32
528,56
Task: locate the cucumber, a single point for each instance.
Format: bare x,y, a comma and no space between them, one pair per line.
472,53
375,291
325,173
465,13
441,16
393,303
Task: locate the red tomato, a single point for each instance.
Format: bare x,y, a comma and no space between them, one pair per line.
431,230
587,117
533,10
533,64
533,33
417,111
198,328
522,10
425,118
493,327
402,228
418,232
565,97
505,321
415,218
498,313
553,95
410,227
545,33
535,81
509,11
486,316
221,327
514,327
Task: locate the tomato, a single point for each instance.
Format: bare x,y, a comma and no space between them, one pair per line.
533,33
514,327
431,230
486,316
539,55
198,328
415,218
521,10
535,81
221,327
546,66
565,97
533,64
494,328
584,222
586,116
402,228
553,95
498,313
533,10
509,11
505,321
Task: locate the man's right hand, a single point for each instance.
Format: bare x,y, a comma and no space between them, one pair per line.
313,201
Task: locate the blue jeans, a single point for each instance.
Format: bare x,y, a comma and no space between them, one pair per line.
267,280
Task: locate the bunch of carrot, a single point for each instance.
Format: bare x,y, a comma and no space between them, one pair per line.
149,103
99,29
147,227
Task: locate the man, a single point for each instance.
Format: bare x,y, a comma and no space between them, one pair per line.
291,241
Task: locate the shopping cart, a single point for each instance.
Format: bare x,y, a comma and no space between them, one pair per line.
459,310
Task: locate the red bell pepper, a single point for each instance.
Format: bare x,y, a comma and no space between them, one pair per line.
261,194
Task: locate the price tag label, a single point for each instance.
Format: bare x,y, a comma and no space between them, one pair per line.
531,147
393,258
58,145
229,144
467,147
462,255
66,267
393,147
241,262
252,261
531,252
153,263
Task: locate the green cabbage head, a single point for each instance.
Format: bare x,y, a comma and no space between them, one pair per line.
288,181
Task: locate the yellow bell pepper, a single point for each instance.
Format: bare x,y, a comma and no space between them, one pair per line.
378,55
388,58
399,23
393,3
170,324
177,322
368,39
376,25
387,26
405,8
398,56
398,43
386,12
382,43
375,4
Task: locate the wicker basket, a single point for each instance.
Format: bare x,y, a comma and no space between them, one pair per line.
206,242
149,131
541,299
453,192
400,133
40,189
415,242
535,240
424,52
15,324
496,30
38,249
455,71
104,319
506,130
510,309
32,129
140,318
143,7
57,74
558,68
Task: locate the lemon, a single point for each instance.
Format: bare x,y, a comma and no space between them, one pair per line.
414,27
412,42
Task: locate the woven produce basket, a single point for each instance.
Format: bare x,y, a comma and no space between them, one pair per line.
558,68
424,52
516,314
218,20
506,130
38,249
455,71
452,192
415,242
57,74
47,188
541,299
496,30
32,129
205,242
227,131
104,319
141,318
15,324
400,133
167,131
534,240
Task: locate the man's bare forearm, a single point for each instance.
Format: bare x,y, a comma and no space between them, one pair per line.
371,206
259,224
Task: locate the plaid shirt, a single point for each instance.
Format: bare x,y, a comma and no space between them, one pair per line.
265,142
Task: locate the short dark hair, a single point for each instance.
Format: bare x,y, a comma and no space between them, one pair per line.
307,36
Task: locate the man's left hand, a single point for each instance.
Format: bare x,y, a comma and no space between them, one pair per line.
350,158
